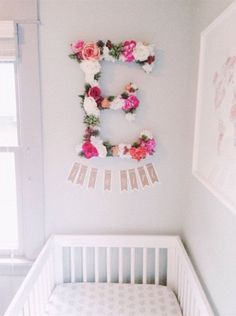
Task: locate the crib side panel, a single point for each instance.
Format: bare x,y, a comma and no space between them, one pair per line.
189,291
35,290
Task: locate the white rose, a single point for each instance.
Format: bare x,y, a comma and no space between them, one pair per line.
106,54
147,134
141,52
130,117
90,106
98,143
90,68
117,104
147,68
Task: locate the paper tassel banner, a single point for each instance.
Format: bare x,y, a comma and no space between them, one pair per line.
92,178
143,176
123,180
133,179
107,180
129,179
73,172
82,174
152,173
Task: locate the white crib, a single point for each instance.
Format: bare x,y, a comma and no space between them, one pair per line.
58,263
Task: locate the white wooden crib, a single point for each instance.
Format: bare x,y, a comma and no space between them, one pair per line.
71,258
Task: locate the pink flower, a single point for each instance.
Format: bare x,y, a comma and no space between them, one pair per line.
77,47
138,153
128,49
132,102
94,92
149,145
89,150
91,51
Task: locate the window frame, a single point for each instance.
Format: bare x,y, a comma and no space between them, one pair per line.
28,152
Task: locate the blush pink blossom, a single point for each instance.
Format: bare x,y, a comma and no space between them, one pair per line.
128,49
132,102
77,47
89,150
149,145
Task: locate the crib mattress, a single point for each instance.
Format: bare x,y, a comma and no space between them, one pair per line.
103,299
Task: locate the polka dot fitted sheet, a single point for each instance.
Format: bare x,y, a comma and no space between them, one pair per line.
104,299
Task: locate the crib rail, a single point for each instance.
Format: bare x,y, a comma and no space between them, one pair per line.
31,298
109,258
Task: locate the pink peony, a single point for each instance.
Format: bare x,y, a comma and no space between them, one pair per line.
89,150
91,51
132,102
138,153
77,47
94,92
128,49
149,145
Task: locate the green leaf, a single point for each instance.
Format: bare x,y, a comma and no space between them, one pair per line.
124,95
97,76
87,87
111,98
73,56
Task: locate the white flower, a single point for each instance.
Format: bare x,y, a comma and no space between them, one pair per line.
130,116
141,52
90,106
98,143
117,103
90,68
147,134
147,68
106,54
122,149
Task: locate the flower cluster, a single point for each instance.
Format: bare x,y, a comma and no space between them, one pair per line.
93,102
93,146
89,55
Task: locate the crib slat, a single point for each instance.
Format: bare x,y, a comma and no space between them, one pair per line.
157,265
72,264
144,265
120,265
26,309
96,266
132,265
108,259
40,294
171,269
58,257
84,264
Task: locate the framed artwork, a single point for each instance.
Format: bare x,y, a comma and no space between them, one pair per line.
214,157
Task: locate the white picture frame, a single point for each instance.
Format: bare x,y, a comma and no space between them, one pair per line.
214,152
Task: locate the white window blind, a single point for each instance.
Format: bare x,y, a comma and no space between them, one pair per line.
8,41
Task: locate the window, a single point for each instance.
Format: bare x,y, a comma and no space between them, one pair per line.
8,138
21,179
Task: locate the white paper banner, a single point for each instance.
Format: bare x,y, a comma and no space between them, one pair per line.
152,173
107,180
74,171
82,175
123,180
92,178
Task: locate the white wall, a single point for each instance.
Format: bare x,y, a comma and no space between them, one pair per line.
164,97
209,227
